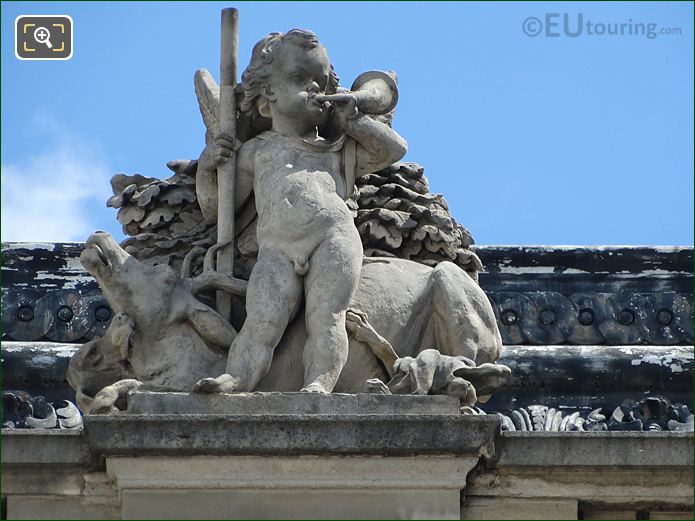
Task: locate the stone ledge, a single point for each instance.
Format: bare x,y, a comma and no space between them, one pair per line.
291,472
43,447
349,434
146,402
188,434
609,484
574,449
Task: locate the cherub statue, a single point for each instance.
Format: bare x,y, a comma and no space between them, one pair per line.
309,250
302,145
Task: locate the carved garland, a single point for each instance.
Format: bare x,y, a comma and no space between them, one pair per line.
542,318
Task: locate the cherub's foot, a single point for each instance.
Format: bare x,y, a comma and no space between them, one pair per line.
314,388
222,384
376,386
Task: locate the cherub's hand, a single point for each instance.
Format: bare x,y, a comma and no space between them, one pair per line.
223,146
344,106
217,153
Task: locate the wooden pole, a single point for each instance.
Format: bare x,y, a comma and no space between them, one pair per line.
226,173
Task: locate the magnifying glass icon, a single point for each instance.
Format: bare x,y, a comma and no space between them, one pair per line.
43,35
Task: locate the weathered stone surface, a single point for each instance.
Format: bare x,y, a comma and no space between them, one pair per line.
608,484
578,376
184,434
333,472
631,449
582,275
186,457
326,487
52,507
681,514
593,375
43,446
519,508
603,470
286,504
144,402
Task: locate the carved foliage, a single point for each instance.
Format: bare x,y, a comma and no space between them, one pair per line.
162,217
397,216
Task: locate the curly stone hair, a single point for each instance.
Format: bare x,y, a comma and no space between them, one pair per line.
258,71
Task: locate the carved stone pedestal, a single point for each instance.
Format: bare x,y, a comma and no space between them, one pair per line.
290,487
336,466
344,456
145,402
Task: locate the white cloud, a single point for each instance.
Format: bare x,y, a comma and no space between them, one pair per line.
44,196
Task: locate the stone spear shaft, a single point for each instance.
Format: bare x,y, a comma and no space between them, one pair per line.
226,173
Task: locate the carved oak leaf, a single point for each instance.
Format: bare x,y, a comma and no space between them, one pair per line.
177,195
158,216
394,190
414,209
118,200
379,232
393,204
414,184
400,220
442,247
130,214
144,198
120,181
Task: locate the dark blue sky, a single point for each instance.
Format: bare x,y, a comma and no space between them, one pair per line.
532,140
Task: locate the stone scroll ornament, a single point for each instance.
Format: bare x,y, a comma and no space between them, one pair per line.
322,210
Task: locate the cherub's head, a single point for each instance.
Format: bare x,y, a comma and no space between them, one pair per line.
285,73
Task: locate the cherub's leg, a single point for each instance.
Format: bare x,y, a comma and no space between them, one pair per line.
273,292
332,278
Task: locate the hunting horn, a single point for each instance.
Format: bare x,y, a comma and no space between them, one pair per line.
376,92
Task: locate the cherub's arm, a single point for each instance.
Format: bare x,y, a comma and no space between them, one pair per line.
213,155
378,145
244,174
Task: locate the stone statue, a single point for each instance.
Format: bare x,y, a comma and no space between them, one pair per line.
302,145
166,339
309,252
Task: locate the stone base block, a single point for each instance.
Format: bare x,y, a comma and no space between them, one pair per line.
290,504
519,508
300,487
55,507
145,402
